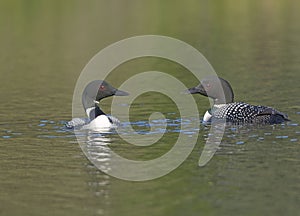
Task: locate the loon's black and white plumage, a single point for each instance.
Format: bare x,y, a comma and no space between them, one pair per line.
224,106
97,119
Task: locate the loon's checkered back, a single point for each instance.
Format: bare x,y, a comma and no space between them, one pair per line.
239,112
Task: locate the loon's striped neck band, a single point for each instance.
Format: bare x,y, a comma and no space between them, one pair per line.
207,116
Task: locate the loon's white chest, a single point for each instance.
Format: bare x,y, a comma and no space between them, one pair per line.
207,117
208,114
102,121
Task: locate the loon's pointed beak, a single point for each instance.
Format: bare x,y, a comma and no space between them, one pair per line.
121,93
198,89
193,90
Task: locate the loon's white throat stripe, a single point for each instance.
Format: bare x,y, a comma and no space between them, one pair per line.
207,116
89,110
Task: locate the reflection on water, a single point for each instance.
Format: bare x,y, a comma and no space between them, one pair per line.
97,144
244,149
250,162
241,149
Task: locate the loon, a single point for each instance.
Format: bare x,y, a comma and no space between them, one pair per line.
91,96
225,108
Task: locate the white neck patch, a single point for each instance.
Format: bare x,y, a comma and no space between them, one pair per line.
207,116
88,111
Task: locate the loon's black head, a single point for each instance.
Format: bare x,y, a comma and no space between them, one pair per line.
215,88
97,90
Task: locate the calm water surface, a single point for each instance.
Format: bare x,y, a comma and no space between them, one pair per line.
45,45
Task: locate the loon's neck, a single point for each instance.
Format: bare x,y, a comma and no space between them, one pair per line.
91,107
224,97
219,105
221,101
94,112
207,116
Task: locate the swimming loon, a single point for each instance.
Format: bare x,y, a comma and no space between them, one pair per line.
224,106
92,94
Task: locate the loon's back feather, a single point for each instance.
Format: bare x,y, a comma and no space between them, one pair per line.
77,122
240,112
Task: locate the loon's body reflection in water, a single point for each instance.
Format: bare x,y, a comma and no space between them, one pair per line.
239,149
95,145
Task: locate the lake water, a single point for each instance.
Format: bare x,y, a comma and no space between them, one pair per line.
46,44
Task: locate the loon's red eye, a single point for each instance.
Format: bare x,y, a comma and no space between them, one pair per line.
208,86
102,87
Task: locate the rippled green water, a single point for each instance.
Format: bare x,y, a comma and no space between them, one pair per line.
45,45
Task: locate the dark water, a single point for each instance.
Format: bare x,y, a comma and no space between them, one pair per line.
45,45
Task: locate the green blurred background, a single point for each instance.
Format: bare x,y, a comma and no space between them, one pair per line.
255,44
